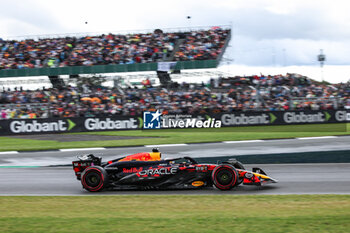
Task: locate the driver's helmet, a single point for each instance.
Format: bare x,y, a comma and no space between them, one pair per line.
155,154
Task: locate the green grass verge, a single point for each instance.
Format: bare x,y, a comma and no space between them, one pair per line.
225,213
168,136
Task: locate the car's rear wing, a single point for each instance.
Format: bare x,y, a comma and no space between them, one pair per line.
83,162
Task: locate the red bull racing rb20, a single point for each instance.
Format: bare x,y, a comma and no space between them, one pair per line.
144,171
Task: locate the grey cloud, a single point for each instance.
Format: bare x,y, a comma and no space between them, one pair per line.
261,37
29,13
305,23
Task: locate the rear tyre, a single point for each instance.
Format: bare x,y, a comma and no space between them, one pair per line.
225,177
94,178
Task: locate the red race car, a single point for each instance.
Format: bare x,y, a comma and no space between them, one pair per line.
149,171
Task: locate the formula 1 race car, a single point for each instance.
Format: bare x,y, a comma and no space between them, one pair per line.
149,171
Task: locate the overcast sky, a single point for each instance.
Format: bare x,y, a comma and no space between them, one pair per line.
265,32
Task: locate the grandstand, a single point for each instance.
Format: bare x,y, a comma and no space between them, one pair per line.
161,53
110,53
219,95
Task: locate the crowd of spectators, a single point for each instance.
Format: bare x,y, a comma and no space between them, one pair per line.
255,93
285,92
111,49
202,45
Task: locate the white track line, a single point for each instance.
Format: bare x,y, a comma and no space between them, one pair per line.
165,145
80,149
246,141
324,137
8,152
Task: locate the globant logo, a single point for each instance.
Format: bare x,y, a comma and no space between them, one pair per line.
99,124
37,127
292,117
155,120
243,119
342,116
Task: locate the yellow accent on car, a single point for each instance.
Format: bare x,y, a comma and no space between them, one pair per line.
197,183
155,155
261,175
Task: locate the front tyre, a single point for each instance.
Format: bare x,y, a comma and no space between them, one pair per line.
94,178
224,177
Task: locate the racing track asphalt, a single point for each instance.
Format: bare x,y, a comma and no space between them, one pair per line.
47,158
293,178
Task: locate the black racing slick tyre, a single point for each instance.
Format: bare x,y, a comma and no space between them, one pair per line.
224,177
94,178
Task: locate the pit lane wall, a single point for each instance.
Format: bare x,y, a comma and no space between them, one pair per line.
70,125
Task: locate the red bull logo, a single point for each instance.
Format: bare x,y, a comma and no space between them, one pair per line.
132,170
